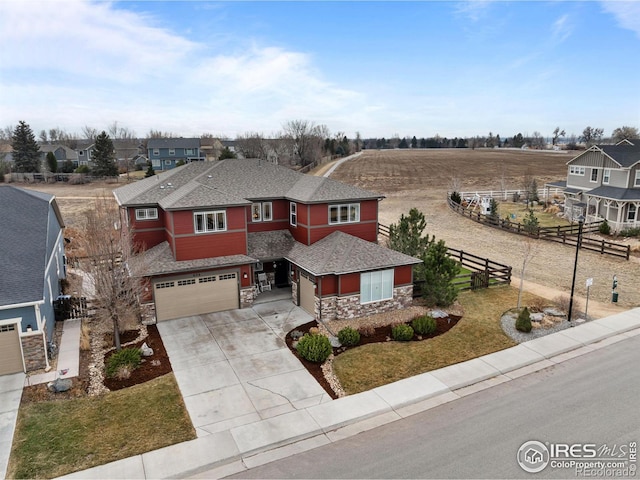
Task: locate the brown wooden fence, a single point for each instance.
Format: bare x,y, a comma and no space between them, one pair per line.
567,234
484,272
67,307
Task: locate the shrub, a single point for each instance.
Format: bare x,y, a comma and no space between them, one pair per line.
402,332
455,198
82,169
424,325
605,228
127,357
523,323
530,222
367,330
296,334
314,348
630,232
349,337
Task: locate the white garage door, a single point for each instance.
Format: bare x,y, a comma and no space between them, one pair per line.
10,352
185,296
307,295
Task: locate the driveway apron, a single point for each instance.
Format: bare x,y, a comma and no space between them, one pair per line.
234,368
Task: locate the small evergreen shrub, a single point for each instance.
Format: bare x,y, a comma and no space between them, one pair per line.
523,323
630,232
315,348
402,332
349,337
605,228
455,198
424,325
127,357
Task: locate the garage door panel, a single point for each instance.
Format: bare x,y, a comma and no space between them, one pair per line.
307,295
10,351
183,297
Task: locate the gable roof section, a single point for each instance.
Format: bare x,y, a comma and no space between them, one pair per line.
23,243
340,253
624,154
234,182
615,193
173,143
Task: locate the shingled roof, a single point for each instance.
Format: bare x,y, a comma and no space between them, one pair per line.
340,253
24,243
234,182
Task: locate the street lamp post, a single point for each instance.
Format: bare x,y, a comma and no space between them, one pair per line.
575,265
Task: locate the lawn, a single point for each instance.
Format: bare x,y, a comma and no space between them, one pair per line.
477,333
520,210
59,437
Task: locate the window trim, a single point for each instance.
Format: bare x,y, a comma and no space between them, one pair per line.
576,170
386,292
172,152
156,152
596,172
168,161
632,209
189,151
636,183
293,214
260,214
606,176
348,207
143,214
215,228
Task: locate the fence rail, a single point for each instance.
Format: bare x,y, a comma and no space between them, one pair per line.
67,307
505,195
484,272
48,177
567,234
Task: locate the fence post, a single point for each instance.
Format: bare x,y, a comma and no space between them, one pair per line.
628,251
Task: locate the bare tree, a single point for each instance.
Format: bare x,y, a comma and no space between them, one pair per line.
43,137
557,133
253,145
624,133
307,138
529,250
89,133
110,252
591,135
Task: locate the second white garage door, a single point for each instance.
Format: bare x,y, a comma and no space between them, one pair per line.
185,296
10,352
307,295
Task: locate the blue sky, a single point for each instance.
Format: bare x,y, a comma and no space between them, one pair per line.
378,68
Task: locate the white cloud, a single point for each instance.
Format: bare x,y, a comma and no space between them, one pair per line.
561,29
626,13
474,10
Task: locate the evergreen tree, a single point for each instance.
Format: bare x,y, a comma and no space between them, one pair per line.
104,158
407,235
523,322
150,171
531,223
438,272
67,166
227,153
52,162
26,152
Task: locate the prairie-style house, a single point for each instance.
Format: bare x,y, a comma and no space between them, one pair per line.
33,266
217,234
603,183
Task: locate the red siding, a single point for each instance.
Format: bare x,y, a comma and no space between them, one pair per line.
369,210
366,231
245,270
182,222
329,285
146,233
350,283
403,275
211,245
267,226
148,239
319,214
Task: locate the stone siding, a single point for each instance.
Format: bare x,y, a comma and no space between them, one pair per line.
33,351
247,297
294,293
347,307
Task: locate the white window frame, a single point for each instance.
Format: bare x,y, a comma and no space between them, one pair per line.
594,171
156,152
146,213
632,212
216,215
293,214
172,152
576,170
606,176
261,212
376,286
156,162
352,213
167,162
636,183
189,151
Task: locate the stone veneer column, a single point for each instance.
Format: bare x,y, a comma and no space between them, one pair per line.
294,293
33,351
247,296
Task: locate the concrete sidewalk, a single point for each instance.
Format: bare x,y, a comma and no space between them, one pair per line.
10,396
252,444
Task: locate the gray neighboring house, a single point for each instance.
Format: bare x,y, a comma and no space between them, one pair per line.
62,154
603,183
165,153
32,249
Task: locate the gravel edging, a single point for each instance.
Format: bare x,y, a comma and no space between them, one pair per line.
508,323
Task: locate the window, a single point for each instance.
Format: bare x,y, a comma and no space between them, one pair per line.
376,286
188,281
293,217
594,174
167,162
156,163
206,222
156,152
146,213
261,212
631,213
606,175
81,153
172,151
189,151
348,213
164,285
637,182
573,170
8,328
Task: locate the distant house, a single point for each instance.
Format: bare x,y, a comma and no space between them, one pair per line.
603,183
217,234
33,265
62,154
165,153
126,151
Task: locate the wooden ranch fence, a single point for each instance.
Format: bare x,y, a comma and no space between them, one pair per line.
567,234
484,272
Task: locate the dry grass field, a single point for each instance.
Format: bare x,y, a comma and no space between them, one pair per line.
421,178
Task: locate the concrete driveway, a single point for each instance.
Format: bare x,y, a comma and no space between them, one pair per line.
10,395
234,368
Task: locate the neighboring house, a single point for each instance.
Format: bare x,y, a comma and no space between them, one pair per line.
603,183
83,149
126,151
211,231
33,265
6,153
165,153
62,154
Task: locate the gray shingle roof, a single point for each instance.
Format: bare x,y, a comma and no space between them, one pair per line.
615,193
340,253
234,182
159,261
173,143
23,244
625,155
271,245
